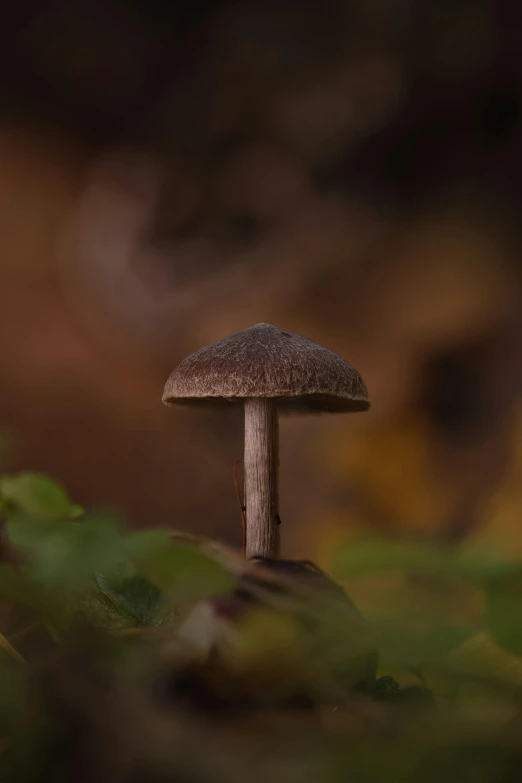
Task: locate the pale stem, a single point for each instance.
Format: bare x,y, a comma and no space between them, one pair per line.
261,478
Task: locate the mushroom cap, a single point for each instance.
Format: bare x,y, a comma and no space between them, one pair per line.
267,362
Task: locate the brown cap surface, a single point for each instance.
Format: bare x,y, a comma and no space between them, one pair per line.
268,362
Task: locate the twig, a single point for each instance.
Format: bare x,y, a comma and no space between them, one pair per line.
8,647
19,635
241,506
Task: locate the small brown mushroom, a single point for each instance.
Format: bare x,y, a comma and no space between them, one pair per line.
267,370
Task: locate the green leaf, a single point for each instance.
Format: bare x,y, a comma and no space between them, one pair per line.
101,612
503,602
376,555
181,570
34,495
15,586
480,564
480,657
146,546
444,640
68,556
476,565
402,647
65,561
133,596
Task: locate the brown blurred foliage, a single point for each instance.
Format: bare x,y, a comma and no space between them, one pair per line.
350,171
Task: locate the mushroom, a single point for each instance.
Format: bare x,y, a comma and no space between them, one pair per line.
267,370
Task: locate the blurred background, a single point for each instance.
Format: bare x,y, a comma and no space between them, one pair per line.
173,173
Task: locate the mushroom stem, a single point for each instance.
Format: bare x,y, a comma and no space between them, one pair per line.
261,480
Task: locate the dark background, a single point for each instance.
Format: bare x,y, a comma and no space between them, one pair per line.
170,174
